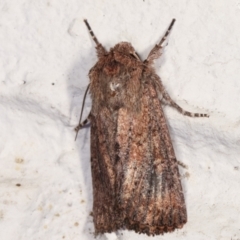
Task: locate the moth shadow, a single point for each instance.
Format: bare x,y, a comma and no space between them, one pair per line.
77,81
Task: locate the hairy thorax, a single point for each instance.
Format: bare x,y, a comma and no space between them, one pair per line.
117,79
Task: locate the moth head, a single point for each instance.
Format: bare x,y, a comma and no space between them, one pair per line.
127,49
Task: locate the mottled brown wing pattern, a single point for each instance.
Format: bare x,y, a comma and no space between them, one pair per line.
136,181
149,187
103,173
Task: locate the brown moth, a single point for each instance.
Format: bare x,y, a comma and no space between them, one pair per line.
136,182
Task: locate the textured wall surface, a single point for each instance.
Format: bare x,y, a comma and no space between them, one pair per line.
45,55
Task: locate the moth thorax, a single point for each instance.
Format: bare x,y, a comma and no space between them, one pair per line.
114,86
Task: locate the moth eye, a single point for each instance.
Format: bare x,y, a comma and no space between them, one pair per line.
135,55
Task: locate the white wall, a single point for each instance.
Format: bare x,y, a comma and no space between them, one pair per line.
45,55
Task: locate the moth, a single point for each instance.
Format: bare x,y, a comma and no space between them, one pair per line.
135,177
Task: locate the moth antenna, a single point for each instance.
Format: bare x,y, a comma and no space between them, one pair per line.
156,51
91,32
167,32
100,49
80,119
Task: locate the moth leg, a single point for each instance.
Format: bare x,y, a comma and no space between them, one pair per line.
167,99
182,164
81,125
100,49
156,51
